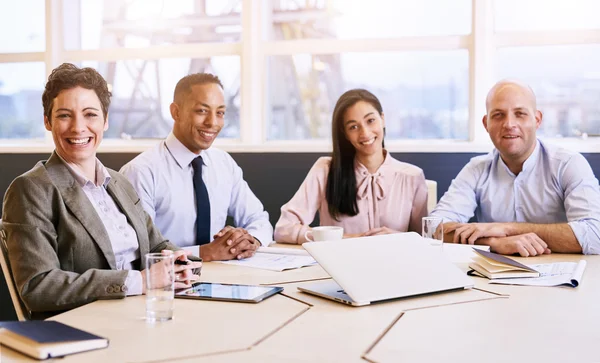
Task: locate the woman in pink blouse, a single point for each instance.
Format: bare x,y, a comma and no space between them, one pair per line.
361,188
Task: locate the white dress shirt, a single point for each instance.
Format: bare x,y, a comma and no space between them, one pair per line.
162,176
555,186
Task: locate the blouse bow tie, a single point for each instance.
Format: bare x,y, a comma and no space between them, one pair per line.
371,184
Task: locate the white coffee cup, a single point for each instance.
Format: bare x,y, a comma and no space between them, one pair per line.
324,233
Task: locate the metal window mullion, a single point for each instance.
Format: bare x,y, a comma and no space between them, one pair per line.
22,57
546,38
481,66
252,123
198,50
53,56
331,46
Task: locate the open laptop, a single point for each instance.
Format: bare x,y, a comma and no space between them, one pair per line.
378,268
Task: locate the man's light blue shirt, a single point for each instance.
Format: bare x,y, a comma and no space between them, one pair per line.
555,186
162,176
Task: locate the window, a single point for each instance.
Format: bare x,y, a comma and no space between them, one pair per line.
94,24
357,19
532,15
22,26
21,111
423,94
553,46
566,80
284,64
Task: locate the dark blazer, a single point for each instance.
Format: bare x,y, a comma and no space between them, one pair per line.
59,251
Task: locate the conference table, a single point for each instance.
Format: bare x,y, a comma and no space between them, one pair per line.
489,323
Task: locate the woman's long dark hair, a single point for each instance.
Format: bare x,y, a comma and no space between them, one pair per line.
341,180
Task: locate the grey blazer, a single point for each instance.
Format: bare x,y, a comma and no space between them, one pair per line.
59,251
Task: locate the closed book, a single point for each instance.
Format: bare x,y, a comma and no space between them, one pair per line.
47,339
495,266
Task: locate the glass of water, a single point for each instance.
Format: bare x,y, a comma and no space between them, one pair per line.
160,286
433,230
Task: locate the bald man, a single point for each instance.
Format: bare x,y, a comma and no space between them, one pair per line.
529,197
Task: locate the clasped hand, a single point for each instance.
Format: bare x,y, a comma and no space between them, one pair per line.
230,243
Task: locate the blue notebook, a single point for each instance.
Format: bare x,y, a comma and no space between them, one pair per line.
47,339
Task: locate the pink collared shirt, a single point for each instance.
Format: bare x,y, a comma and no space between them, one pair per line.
394,197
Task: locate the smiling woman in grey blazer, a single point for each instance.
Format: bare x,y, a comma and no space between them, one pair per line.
76,231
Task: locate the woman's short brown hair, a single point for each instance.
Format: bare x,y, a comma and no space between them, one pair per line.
67,76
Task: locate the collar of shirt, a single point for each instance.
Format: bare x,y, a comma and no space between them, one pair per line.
363,171
367,182
182,155
101,174
528,165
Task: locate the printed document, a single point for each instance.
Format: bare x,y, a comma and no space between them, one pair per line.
551,274
276,259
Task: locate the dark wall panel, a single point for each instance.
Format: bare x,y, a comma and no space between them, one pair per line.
274,178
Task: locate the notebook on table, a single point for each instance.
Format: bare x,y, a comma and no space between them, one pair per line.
47,339
495,266
378,268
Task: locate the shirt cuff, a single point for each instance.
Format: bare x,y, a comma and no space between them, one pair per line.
583,231
134,282
264,239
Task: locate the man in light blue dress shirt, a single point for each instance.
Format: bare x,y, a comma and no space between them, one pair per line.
529,197
163,177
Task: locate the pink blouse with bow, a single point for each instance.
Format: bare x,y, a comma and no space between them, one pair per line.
394,197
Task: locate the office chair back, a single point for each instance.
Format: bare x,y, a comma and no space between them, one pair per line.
431,195
20,309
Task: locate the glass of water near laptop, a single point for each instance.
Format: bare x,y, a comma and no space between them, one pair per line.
433,231
324,233
160,286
